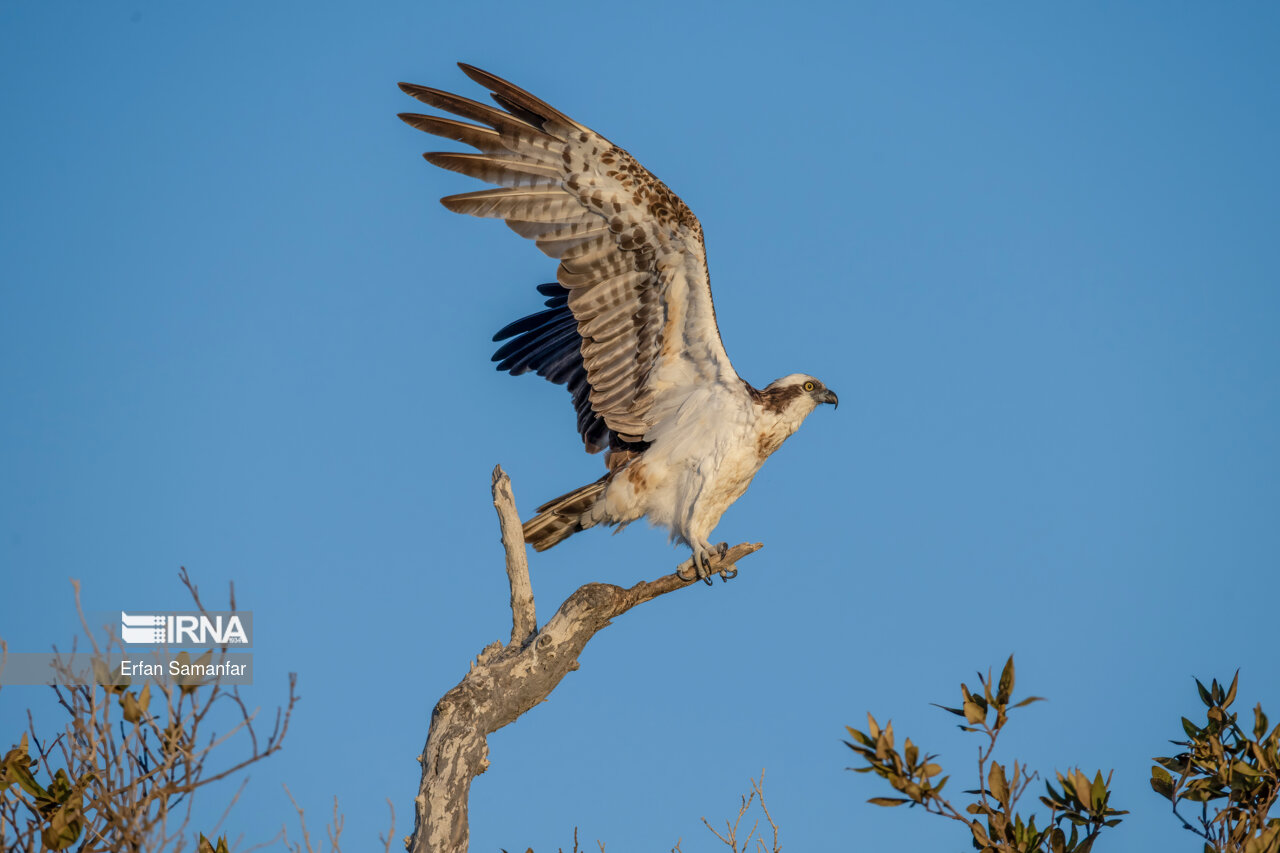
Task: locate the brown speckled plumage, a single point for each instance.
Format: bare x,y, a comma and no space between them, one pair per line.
629,325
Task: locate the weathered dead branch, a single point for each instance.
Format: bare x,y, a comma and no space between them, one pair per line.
507,680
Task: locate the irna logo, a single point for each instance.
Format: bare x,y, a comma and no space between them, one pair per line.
185,629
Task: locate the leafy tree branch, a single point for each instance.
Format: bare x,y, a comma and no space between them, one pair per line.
992,818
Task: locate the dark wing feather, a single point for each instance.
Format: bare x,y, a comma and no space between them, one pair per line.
533,321
538,343
633,299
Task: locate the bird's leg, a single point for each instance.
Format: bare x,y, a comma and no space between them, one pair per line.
701,561
698,558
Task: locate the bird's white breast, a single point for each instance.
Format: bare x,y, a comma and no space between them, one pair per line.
700,460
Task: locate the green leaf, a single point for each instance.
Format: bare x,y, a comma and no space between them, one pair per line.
1029,700
108,679
867,754
1098,793
1200,795
1006,683
997,783
207,846
135,706
63,828
1231,691
1205,696
887,801
27,781
859,737
1162,782
1080,787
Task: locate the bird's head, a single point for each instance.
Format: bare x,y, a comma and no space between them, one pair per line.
797,394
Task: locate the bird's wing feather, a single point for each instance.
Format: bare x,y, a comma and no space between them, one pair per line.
548,342
631,257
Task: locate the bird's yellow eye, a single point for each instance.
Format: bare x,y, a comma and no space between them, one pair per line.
808,386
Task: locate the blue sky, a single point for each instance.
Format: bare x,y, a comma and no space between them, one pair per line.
1032,246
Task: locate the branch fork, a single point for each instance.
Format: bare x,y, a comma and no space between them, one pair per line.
505,681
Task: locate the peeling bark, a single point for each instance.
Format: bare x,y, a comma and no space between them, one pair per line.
524,619
505,681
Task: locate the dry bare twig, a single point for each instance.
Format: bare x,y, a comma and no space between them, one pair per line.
120,775
730,836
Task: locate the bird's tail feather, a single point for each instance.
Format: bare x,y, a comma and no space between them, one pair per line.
559,519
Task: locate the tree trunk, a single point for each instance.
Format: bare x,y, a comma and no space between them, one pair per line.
507,680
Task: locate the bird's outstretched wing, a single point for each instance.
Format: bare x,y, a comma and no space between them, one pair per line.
632,262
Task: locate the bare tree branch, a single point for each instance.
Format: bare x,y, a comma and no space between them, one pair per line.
121,774
524,620
505,681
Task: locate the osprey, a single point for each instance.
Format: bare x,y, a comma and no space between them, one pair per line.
629,326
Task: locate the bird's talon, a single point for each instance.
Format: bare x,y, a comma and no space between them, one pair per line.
706,564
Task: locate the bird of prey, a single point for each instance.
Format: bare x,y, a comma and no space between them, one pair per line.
629,326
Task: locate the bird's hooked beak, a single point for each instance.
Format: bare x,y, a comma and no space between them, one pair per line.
828,396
